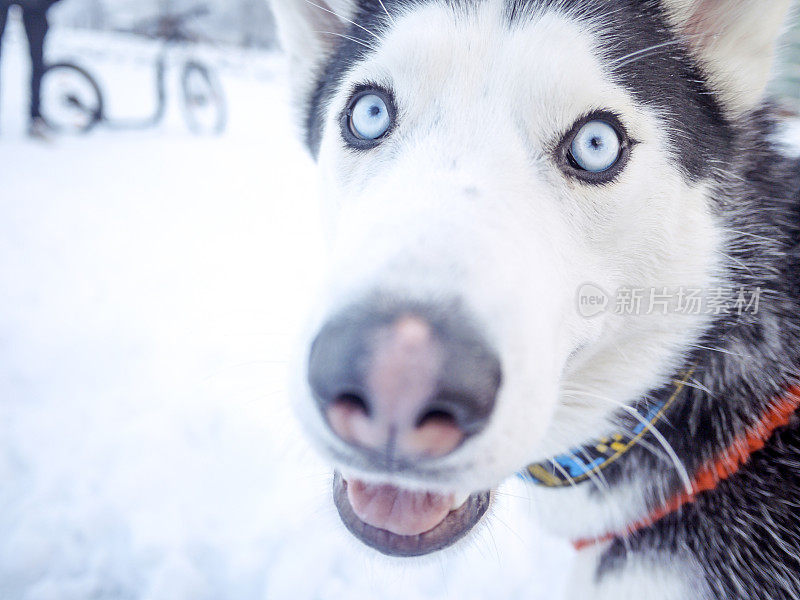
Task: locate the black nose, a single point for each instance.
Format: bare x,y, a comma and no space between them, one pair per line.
410,380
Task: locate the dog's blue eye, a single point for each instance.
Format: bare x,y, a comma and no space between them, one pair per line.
596,147
369,117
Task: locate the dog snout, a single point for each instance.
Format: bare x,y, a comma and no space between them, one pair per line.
404,383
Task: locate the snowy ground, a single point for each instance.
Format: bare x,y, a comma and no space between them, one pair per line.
150,283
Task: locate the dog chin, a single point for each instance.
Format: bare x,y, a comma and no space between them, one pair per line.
404,522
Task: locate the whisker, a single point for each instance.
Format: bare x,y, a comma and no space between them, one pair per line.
641,54
601,483
753,235
721,350
698,386
347,37
510,529
735,260
386,11
563,472
338,16
680,468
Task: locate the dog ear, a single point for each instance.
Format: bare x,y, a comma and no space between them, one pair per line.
308,31
735,41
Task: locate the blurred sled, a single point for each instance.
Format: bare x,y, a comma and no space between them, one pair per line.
72,99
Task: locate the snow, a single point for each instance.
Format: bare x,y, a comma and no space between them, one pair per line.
150,286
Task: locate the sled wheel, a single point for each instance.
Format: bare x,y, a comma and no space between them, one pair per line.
71,99
203,100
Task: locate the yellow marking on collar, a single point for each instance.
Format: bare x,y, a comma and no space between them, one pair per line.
543,476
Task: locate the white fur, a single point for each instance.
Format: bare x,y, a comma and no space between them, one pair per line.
648,577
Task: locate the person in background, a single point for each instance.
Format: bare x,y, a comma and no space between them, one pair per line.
34,17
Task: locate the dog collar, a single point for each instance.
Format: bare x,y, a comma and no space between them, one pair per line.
707,478
588,461
724,466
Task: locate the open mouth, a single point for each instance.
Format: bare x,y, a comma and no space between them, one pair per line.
400,522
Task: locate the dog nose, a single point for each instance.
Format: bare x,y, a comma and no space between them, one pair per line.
404,383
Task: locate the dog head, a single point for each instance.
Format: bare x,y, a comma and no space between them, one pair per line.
481,163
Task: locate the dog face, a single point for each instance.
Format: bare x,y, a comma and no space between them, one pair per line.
481,163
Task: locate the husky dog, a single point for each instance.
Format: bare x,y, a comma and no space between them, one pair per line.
500,178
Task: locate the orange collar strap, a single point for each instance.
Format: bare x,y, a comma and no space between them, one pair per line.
724,466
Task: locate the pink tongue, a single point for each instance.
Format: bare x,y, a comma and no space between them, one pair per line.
400,511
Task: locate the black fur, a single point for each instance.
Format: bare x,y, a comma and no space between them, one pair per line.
746,533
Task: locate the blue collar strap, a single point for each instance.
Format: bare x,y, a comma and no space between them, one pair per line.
588,461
